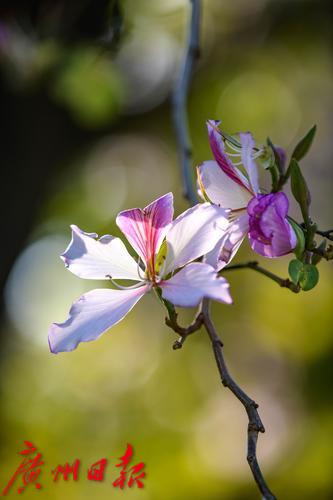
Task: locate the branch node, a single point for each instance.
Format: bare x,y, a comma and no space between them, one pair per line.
178,344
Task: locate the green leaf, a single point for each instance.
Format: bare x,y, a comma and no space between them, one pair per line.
294,270
309,277
304,275
300,189
304,144
300,245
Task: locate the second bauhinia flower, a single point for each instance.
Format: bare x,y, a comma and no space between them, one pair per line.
166,250
231,182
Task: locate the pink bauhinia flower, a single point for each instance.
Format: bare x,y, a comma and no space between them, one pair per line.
163,247
263,217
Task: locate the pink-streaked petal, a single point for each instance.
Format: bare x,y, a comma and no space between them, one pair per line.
220,189
145,229
228,246
194,282
250,165
91,315
224,162
193,234
90,258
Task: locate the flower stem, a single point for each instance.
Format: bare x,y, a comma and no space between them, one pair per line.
255,424
179,100
285,283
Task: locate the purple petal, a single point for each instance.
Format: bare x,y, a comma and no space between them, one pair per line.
193,234
220,189
98,259
145,229
91,315
194,282
247,143
270,233
218,150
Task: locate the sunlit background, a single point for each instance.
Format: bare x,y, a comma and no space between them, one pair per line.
86,131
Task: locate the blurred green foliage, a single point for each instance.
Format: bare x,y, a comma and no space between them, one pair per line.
89,85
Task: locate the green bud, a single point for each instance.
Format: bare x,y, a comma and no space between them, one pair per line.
304,144
300,189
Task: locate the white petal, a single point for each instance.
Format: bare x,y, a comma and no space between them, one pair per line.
221,189
193,234
248,162
91,315
228,246
194,282
98,259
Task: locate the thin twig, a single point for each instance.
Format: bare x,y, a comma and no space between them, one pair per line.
183,332
179,99
326,234
325,254
285,283
255,424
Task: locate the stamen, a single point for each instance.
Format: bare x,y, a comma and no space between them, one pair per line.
233,147
121,287
258,153
139,270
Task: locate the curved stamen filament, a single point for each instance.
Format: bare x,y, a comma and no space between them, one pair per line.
233,147
140,269
121,287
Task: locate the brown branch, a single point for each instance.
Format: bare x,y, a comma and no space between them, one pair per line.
285,283
255,424
183,332
326,234
325,254
179,99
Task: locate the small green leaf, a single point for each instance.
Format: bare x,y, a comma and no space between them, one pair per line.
300,189
300,245
304,275
295,269
304,144
309,277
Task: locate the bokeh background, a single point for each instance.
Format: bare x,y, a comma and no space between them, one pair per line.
86,131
